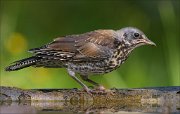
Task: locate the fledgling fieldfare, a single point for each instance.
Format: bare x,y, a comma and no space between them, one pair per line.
96,52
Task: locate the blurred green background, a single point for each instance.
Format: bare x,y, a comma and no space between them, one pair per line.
26,24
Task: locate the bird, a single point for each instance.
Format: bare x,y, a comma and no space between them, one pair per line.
96,52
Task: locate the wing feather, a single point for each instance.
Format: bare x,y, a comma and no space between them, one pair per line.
96,44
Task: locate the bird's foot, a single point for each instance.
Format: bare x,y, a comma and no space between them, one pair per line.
99,90
88,90
102,91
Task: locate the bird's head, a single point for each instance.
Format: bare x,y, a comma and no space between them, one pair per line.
133,37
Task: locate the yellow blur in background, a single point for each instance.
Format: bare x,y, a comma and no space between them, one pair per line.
16,43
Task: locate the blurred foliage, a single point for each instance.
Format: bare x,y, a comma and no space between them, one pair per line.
26,24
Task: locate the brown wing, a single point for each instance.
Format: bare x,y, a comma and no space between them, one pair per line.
95,44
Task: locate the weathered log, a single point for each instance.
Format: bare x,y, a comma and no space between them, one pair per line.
156,99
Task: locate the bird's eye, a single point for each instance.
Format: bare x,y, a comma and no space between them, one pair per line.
136,35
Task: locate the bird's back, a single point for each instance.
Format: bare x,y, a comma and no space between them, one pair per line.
84,53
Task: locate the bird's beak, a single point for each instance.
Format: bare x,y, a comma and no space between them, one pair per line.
148,42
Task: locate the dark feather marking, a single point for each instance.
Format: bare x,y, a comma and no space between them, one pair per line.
22,63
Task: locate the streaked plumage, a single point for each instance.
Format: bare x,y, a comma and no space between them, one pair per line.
96,52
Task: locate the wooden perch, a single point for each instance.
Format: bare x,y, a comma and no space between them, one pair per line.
157,99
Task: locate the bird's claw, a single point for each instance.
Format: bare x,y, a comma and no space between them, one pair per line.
98,90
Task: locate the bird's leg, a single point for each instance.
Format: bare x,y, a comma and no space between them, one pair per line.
72,74
98,87
85,78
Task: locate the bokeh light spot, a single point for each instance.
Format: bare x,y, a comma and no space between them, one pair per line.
16,43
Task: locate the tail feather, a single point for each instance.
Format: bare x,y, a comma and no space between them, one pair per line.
17,65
